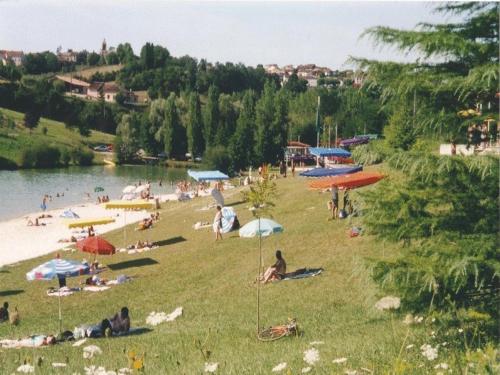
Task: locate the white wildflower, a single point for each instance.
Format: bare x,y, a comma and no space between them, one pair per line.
460,330
408,319
351,372
280,367
313,343
444,343
409,346
433,320
94,370
388,303
443,366
156,318
211,367
419,319
91,350
305,370
429,352
58,364
27,369
79,342
340,360
311,356
124,371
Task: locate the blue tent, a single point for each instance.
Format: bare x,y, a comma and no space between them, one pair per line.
325,151
207,175
324,172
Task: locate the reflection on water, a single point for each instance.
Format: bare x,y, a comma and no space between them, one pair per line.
22,191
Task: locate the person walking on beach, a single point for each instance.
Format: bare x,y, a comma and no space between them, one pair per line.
335,202
218,223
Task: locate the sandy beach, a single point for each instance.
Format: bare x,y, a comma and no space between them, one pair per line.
20,241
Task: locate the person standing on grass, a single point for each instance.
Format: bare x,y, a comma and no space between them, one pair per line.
335,202
218,223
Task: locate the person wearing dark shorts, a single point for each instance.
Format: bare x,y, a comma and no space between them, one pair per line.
335,202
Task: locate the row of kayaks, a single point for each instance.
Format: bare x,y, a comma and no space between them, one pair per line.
342,177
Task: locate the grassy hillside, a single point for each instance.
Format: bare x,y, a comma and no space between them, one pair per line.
213,282
87,72
12,141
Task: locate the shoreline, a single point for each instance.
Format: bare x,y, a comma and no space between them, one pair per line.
22,242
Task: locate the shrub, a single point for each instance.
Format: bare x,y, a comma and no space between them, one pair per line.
217,158
82,157
40,156
65,156
372,153
45,130
7,164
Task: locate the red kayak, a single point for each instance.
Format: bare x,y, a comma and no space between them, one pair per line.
349,181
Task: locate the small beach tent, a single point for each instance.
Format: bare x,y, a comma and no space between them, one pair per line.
83,223
228,217
128,189
324,172
260,227
207,175
348,181
326,151
58,268
128,205
69,214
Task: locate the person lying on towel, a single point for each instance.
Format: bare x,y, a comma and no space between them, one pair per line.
119,323
277,271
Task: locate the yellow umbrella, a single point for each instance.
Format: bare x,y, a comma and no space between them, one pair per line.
82,223
127,205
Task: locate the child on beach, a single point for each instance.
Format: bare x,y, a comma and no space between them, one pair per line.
218,223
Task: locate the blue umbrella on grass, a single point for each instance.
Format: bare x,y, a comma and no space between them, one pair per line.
58,268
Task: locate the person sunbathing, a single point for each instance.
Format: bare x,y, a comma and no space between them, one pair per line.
119,323
277,271
71,239
34,224
29,342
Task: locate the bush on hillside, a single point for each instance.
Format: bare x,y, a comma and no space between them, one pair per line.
372,153
82,157
65,156
40,156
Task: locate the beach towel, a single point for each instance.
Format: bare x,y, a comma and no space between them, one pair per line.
303,273
34,341
63,292
95,288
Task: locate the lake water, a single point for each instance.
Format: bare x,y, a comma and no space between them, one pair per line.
22,191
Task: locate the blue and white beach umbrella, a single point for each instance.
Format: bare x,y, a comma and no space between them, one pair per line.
57,268
265,228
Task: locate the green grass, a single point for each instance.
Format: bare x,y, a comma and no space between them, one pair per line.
213,282
13,141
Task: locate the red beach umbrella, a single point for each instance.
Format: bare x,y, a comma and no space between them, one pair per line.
96,245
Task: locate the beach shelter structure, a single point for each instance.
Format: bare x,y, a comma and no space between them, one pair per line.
128,189
207,175
348,181
58,268
324,172
228,218
96,245
260,227
83,223
127,206
329,151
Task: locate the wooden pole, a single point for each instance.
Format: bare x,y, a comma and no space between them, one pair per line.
258,280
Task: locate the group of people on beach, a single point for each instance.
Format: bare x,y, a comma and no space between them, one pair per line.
479,136
333,204
103,199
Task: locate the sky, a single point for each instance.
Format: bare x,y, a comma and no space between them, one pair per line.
281,32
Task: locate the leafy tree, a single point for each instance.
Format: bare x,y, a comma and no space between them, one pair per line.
399,133
279,126
173,131
241,146
32,118
196,144
93,59
227,120
148,56
125,53
264,117
112,58
126,139
295,85
211,116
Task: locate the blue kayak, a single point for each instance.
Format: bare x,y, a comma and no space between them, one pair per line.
324,172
